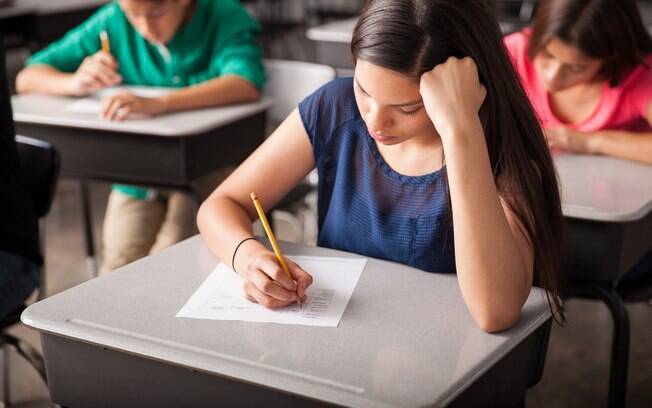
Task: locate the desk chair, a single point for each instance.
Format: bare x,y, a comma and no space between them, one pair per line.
288,83
40,164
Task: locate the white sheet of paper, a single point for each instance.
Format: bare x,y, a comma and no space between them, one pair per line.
92,104
85,105
220,297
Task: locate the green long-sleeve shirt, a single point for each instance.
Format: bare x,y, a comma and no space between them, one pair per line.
218,39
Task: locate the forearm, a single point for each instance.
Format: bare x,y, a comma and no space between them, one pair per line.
223,224
492,275
43,78
623,144
228,89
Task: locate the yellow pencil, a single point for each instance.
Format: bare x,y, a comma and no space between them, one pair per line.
270,234
104,39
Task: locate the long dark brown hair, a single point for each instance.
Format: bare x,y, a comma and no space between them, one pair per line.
411,37
610,30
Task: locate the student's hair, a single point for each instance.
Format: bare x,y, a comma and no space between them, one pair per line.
610,30
411,37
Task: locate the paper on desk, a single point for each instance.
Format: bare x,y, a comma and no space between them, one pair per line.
221,297
85,105
93,104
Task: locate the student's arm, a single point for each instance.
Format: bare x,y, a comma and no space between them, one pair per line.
619,143
626,145
494,257
228,89
95,72
635,146
225,218
75,65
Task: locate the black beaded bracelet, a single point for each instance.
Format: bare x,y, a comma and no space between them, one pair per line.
236,251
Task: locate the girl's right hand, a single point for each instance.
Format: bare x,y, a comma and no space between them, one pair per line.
266,283
97,71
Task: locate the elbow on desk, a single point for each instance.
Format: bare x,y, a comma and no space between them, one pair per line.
246,91
253,94
207,214
33,78
495,321
21,81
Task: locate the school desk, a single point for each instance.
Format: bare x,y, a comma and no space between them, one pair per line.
607,206
333,43
169,151
405,339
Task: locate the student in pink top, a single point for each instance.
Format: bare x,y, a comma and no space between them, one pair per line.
586,66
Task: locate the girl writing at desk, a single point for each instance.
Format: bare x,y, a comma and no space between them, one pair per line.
429,156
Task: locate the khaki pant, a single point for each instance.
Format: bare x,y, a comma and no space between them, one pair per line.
135,228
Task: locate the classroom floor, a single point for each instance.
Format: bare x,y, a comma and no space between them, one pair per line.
578,356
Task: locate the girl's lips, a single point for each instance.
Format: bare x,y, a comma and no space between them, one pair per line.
379,138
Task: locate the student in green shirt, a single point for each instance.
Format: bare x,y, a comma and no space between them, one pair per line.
206,48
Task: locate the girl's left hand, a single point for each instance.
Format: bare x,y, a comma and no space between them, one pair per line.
452,94
569,139
120,105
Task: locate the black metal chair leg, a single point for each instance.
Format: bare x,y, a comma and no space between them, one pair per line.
88,229
620,342
29,353
619,350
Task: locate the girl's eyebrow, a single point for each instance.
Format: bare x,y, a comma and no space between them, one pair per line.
417,102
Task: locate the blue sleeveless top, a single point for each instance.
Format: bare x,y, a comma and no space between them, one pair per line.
363,205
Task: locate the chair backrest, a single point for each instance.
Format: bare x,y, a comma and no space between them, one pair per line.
38,160
289,82
40,163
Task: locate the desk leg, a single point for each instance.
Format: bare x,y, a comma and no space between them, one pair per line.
620,342
91,265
